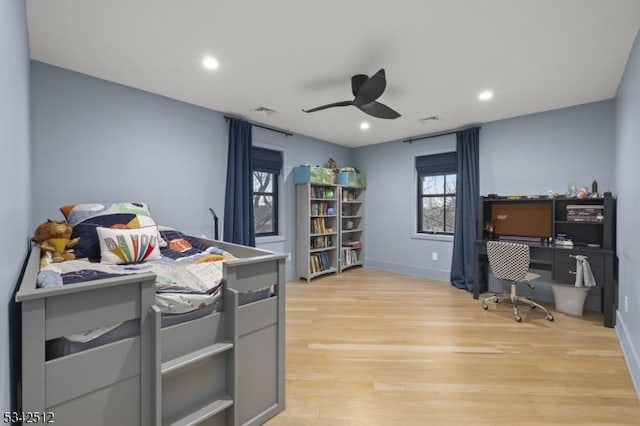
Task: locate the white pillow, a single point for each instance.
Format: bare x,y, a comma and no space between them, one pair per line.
122,246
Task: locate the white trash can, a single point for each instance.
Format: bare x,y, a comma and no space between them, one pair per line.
569,299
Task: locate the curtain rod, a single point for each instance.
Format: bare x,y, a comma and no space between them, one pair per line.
433,135
227,118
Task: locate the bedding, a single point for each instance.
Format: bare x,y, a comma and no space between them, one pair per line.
186,278
86,218
188,275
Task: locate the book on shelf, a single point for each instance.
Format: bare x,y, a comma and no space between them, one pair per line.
321,242
352,244
318,226
319,262
349,257
585,213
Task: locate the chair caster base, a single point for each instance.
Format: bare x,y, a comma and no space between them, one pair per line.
485,306
550,317
517,318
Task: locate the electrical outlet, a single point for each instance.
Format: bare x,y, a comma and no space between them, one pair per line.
626,304
434,255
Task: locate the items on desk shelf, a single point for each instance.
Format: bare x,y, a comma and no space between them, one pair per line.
582,192
563,240
518,238
571,190
490,228
594,187
585,213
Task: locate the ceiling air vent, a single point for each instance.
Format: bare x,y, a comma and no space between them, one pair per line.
427,119
263,110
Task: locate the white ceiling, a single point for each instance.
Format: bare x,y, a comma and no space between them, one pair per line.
535,55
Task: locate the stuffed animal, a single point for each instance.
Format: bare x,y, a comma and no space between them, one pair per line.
54,239
332,165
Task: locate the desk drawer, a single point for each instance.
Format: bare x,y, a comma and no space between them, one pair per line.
596,259
564,268
566,275
541,255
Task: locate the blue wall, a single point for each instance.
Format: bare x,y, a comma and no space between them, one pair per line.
535,153
627,181
15,170
392,243
94,141
524,155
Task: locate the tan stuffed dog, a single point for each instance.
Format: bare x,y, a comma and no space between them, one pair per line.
54,240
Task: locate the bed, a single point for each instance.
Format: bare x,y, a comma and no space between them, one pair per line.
221,367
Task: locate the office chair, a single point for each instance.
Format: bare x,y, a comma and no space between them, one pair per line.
510,262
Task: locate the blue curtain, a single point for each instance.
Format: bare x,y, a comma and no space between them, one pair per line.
238,201
467,193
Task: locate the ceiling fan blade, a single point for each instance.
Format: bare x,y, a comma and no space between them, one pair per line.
335,104
379,110
357,81
371,89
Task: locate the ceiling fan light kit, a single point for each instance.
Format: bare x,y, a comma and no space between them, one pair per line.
366,90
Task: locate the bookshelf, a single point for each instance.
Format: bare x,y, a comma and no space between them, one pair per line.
351,227
316,230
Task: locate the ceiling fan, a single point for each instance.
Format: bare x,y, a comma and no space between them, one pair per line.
366,90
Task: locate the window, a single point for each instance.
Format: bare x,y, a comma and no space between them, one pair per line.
266,168
436,193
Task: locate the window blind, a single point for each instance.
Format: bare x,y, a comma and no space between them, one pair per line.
266,160
436,164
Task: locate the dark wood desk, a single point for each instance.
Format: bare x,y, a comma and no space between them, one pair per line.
557,260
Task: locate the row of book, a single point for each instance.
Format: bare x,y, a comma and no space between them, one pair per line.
318,226
319,262
349,257
321,208
321,242
585,213
352,244
323,192
348,195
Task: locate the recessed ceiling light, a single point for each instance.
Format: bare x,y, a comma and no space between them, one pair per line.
485,95
210,63
364,125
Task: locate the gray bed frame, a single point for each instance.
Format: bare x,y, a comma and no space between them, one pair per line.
226,368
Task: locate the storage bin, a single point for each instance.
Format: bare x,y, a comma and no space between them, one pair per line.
313,174
328,176
351,179
569,299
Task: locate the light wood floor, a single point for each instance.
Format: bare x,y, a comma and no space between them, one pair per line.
373,348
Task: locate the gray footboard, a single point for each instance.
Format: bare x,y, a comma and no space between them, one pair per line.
226,368
102,386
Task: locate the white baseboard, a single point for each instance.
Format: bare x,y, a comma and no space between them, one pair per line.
416,271
629,352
